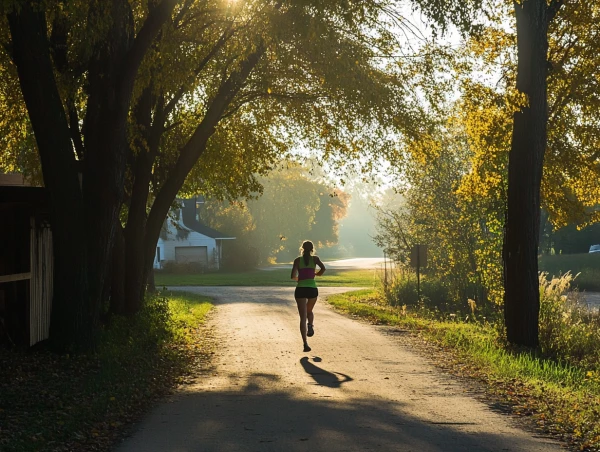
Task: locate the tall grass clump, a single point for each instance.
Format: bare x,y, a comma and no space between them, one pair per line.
569,330
586,265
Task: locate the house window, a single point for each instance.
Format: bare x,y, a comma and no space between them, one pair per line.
158,254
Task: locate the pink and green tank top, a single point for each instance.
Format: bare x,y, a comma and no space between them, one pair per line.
306,273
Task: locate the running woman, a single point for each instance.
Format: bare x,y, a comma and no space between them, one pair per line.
304,271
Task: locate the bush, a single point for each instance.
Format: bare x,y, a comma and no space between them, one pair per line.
238,256
145,335
569,331
184,268
434,295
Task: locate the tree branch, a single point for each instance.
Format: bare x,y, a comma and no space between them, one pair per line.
74,130
553,8
250,96
177,97
184,9
155,20
196,145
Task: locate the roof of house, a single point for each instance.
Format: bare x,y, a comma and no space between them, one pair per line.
188,213
19,194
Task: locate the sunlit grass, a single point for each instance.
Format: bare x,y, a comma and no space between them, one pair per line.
561,398
188,310
279,277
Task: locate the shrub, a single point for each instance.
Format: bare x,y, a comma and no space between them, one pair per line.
238,256
145,335
434,295
569,331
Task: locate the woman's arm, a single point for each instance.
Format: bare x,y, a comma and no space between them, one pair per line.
321,266
294,274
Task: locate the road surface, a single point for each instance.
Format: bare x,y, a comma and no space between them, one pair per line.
360,389
592,300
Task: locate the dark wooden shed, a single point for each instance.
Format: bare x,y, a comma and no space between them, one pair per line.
26,265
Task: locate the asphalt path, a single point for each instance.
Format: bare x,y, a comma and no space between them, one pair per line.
361,388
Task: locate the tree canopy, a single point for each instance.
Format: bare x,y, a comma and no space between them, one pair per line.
135,96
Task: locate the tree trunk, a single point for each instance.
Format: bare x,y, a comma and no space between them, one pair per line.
117,279
148,228
526,157
142,161
69,326
84,219
106,147
151,286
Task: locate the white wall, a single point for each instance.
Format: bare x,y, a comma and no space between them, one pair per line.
167,247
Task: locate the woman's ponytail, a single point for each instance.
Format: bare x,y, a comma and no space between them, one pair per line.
307,249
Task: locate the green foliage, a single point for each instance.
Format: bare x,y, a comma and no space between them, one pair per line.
585,266
455,170
403,291
569,331
572,240
447,12
291,207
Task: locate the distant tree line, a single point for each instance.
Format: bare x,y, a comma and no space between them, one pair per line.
270,227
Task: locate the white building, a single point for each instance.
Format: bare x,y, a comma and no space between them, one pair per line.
185,239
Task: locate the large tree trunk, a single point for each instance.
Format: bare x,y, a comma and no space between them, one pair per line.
526,157
70,306
106,146
142,158
117,277
140,255
84,219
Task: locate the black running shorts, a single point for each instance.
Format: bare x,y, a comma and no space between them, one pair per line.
306,292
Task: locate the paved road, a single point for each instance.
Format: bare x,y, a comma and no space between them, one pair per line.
361,388
592,299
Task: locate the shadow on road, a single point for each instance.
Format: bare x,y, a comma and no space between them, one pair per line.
277,418
321,376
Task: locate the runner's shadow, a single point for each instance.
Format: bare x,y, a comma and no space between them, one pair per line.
323,377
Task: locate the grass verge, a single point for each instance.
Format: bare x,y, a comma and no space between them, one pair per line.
562,400
278,277
588,265
83,403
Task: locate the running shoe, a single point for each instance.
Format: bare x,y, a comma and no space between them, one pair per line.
311,331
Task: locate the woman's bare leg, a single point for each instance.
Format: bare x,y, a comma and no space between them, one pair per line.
309,310
302,303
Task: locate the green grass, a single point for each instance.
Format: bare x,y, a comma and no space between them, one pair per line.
562,399
586,264
83,402
279,277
